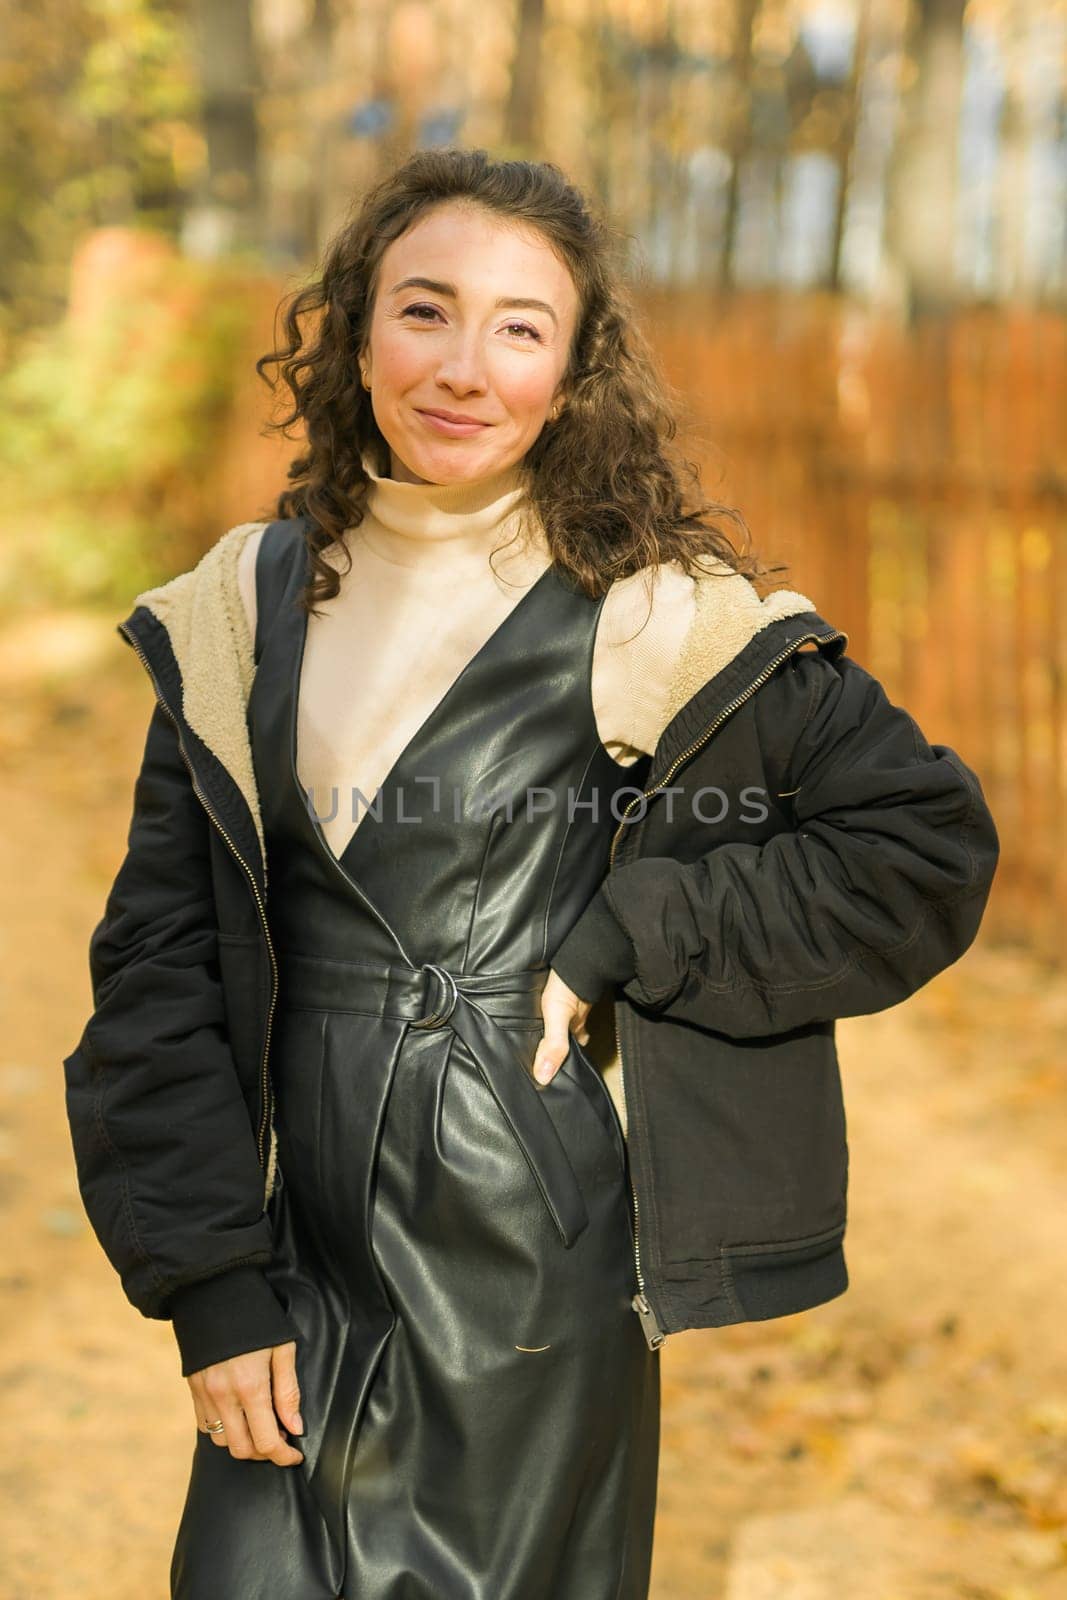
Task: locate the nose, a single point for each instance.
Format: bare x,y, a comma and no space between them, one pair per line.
462,367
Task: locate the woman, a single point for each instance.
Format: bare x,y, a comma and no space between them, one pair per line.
367,911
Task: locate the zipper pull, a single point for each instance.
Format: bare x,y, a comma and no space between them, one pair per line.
654,1334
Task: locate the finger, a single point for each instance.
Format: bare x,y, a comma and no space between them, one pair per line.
562,1012
251,1379
284,1386
200,1412
552,1049
235,1436
204,1408
262,1423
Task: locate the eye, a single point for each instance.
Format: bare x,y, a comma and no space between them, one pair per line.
524,327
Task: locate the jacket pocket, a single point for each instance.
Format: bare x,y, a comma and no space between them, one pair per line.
743,1143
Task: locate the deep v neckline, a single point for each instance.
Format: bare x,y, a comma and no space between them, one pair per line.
438,708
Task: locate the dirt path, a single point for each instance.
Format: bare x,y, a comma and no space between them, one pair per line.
907,1441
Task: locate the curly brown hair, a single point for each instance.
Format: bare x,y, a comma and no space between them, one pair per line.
607,489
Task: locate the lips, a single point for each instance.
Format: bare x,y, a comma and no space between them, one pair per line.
451,416
445,428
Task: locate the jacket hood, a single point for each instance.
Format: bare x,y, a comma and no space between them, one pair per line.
205,620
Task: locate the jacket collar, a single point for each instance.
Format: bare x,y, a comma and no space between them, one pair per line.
192,635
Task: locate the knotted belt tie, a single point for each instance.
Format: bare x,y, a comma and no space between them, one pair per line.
474,1005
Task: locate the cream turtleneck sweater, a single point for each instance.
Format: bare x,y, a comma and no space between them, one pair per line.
421,599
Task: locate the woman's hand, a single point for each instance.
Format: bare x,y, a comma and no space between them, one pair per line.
560,1009
250,1393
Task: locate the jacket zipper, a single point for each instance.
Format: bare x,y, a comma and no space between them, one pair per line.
654,1334
264,1122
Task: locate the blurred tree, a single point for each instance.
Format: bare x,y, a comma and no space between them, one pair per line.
524,103
921,195
228,211
318,65
739,129
97,126
844,137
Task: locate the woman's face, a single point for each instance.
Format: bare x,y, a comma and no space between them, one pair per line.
460,342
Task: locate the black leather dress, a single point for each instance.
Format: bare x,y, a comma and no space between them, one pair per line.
481,1409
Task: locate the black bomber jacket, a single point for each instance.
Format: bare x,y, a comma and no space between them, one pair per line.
797,852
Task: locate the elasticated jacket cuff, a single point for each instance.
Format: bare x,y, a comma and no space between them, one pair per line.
596,952
227,1315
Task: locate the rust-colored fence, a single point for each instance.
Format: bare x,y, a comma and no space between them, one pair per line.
916,484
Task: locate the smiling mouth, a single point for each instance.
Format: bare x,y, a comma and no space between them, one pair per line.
442,416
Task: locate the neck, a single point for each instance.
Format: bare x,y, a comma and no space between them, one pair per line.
431,524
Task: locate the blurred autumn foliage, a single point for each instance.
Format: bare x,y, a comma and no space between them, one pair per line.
846,225
122,421
847,229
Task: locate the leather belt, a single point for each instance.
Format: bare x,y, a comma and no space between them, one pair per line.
476,1006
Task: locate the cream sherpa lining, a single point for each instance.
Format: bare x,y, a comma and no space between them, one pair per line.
205,618
203,613
728,613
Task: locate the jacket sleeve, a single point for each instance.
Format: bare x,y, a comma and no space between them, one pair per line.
596,954
880,884
164,1148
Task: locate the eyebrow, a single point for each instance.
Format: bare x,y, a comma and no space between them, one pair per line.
436,287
